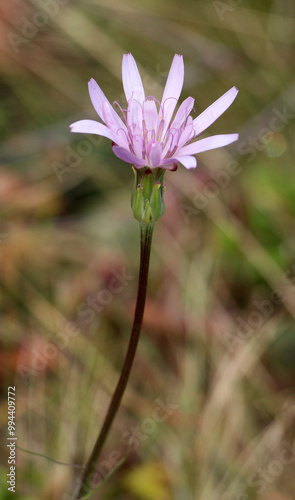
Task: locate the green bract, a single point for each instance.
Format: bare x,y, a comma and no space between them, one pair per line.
147,200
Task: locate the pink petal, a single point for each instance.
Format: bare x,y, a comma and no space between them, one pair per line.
93,127
113,121
215,141
180,138
126,155
150,116
100,101
137,141
155,155
97,97
172,89
187,161
131,79
183,112
187,134
134,114
205,119
169,164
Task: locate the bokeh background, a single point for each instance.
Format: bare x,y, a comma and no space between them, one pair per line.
216,358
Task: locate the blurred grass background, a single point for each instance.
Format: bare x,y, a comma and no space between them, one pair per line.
217,351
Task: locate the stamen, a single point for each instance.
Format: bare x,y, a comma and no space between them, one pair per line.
144,129
160,130
188,112
168,132
187,130
171,132
135,100
125,133
139,138
165,102
122,111
153,98
173,150
130,132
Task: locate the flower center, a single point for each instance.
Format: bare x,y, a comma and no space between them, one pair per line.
148,132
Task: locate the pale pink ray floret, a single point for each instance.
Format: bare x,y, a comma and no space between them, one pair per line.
148,135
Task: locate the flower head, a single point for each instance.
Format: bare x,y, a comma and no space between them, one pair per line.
148,135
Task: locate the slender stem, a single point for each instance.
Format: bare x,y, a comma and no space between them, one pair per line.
89,470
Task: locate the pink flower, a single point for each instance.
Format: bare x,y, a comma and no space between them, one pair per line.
148,135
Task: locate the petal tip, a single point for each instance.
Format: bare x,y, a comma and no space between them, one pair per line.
128,56
193,166
234,91
178,59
